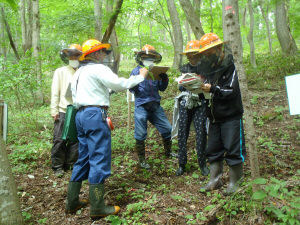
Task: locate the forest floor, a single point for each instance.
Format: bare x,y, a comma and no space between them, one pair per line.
158,196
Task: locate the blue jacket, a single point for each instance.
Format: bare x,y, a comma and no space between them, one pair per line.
147,91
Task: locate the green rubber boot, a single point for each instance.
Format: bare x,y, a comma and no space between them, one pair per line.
98,207
235,178
215,182
73,203
140,149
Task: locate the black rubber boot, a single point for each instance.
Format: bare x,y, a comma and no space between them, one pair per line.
235,178
98,208
216,171
73,203
140,149
180,170
167,146
203,167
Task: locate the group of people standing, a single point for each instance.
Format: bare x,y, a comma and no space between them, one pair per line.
90,84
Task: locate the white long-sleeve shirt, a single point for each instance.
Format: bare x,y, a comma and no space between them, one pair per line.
94,82
61,79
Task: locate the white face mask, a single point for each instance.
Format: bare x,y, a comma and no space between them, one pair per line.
147,63
74,63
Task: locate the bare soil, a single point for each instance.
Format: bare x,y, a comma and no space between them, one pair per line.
167,198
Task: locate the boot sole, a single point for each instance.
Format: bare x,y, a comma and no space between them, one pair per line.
97,217
78,207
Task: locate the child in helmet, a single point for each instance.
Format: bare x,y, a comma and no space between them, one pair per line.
63,154
147,105
191,108
225,111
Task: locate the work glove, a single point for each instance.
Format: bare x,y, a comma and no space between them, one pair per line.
163,76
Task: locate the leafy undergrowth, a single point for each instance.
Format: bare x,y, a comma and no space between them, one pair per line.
158,196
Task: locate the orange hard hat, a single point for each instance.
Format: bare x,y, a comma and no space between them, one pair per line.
148,51
73,50
192,46
92,45
208,41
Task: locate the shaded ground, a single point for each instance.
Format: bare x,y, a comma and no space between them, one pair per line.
158,196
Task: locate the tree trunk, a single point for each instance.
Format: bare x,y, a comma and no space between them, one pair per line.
192,17
178,40
232,24
2,38
29,24
115,44
98,18
188,30
287,42
23,24
10,210
112,21
266,18
12,44
250,35
36,49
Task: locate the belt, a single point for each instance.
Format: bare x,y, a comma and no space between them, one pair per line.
98,106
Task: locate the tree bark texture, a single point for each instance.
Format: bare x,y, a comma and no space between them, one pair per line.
178,40
287,42
10,210
250,34
29,24
2,38
266,18
211,17
98,18
36,49
11,41
112,21
115,44
232,25
192,17
23,24
188,30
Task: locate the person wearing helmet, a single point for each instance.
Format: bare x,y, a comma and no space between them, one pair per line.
90,92
63,154
191,108
147,105
225,112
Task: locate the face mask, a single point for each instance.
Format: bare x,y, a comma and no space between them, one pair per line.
147,63
74,63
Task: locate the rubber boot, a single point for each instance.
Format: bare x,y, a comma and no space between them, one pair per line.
203,166
73,203
216,171
235,178
180,170
167,146
140,149
98,208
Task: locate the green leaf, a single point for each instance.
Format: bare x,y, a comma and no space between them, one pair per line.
260,181
259,195
12,4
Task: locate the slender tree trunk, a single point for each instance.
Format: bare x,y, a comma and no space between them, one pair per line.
266,18
188,30
178,45
232,24
36,49
114,43
29,24
2,38
250,34
192,17
10,210
287,42
98,18
12,44
112,21
23,24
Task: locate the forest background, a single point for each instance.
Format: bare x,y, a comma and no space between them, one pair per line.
32,33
